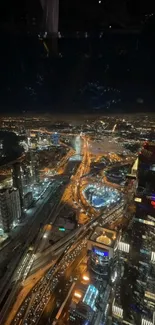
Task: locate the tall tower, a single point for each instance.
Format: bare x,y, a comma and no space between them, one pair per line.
51,16
134,302
17,180
34,167
10,208
55,139
78,145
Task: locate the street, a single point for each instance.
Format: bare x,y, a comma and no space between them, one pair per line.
44,298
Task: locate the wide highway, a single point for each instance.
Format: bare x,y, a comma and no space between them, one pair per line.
39,297
21,259
63,253
21,266
59,255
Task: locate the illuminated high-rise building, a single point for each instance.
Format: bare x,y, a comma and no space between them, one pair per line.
10,208
134,301
17,175
92,299
78,145
34,167
103,247
55,138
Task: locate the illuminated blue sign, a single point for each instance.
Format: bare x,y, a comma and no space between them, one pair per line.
100,252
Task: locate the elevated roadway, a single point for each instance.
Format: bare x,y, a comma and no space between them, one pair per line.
20,271
82,235
20,266
67,242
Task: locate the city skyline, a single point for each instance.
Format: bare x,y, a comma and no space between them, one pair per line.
77,220
77,162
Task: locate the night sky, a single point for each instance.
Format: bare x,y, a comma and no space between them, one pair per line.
111,73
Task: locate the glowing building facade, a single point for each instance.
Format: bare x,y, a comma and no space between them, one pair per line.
91,302
103,248
134,301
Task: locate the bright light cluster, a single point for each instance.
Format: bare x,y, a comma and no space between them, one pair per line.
101,196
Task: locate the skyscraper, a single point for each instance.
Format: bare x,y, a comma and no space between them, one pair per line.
55,138
34,163
134,301
91,303
10,208
17,180
103,246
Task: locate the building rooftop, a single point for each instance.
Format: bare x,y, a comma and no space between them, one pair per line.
84,300
104,236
